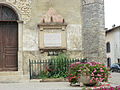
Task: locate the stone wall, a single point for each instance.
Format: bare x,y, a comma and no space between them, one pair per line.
69,11
93,33
31,12
74,37
85,29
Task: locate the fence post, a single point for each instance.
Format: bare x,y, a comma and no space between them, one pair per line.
30,68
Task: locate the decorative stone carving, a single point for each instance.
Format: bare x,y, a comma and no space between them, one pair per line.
56,18
24,7
52,34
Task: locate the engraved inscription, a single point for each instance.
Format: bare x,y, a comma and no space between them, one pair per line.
52,39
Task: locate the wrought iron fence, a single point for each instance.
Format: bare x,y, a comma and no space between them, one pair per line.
50,68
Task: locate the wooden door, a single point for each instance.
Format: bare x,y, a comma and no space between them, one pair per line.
8,45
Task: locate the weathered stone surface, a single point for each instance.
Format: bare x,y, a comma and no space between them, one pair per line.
74,37
93,30
85,30
24,7
2,0
33,55
75,54
39,9
92,1
30,39
10,77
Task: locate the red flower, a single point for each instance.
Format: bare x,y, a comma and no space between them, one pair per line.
107,84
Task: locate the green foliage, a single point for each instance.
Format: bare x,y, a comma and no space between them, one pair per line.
42,74
60,56
84,88
58,66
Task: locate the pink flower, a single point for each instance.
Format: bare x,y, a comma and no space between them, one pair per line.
101,79
110,77
96,79
94,70
111,88
107,84
78,63
92,74
93,77
89,63
101,70
79,70
99,75
95,87
90,81
72,65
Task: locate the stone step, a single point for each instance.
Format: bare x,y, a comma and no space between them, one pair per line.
10,73
12,77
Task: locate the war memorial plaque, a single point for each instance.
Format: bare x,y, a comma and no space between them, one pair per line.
52,40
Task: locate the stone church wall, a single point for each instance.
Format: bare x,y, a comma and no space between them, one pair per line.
93,30
85,29
70,11
31,12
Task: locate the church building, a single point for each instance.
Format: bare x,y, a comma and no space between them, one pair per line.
40,29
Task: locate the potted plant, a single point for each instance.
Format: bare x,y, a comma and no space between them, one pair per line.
88,73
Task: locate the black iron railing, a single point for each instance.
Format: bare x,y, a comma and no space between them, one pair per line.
50,68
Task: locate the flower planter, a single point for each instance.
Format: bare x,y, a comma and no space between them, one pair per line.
85,80
88,74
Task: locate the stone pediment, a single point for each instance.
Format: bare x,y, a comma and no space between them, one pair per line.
52,17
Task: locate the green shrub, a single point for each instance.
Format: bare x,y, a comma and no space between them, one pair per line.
58,66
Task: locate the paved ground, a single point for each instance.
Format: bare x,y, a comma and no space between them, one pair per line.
115,80
38,86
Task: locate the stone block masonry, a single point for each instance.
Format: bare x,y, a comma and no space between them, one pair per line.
85,34
93,32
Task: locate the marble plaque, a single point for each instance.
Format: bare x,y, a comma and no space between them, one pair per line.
52,39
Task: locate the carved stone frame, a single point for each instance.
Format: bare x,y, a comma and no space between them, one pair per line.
52,28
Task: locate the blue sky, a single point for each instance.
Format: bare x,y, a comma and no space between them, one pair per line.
112,13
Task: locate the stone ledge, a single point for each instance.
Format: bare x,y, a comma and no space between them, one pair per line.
49,80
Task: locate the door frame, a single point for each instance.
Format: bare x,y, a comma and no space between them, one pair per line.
108,62
20,35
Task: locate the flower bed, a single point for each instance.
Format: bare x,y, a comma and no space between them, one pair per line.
97,72
103,87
